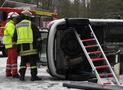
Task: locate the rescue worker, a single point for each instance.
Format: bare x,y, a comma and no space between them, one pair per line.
27,35
11,65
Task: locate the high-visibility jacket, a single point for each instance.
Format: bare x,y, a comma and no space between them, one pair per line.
8,34
24,32
25,36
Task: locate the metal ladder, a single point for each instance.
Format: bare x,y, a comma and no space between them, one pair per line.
95,55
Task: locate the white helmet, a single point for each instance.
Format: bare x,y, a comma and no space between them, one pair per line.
12,15
27,13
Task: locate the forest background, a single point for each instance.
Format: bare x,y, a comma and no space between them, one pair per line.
79,8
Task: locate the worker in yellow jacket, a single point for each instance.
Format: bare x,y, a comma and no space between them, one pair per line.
27,37
11,65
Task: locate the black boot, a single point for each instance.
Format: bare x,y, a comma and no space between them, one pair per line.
35,78
33,72
22,74
22,78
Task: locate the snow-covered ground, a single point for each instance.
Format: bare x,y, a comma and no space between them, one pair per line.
48,82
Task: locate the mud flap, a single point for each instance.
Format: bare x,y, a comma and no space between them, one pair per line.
91,86
117,69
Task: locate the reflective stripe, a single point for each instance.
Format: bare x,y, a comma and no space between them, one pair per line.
14,68
25,39
8,68
22,24
14,65
33,67
8,65
22,67
31,46
6,35
10,44
31,51
28,52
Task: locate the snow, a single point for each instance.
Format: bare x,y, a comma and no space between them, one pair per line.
48,82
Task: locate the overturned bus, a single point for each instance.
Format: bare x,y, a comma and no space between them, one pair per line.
68,58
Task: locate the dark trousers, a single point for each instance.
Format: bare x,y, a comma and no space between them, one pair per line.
32,61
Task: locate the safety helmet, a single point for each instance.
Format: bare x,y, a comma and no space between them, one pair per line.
27,13
12,15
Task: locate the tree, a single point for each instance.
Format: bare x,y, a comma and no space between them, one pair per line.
46,4
76,8
64,8
1,2
105,9
81,8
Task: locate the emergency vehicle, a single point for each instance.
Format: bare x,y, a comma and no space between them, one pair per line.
85,49
42,18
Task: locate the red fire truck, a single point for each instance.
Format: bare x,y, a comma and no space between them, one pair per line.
41,18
